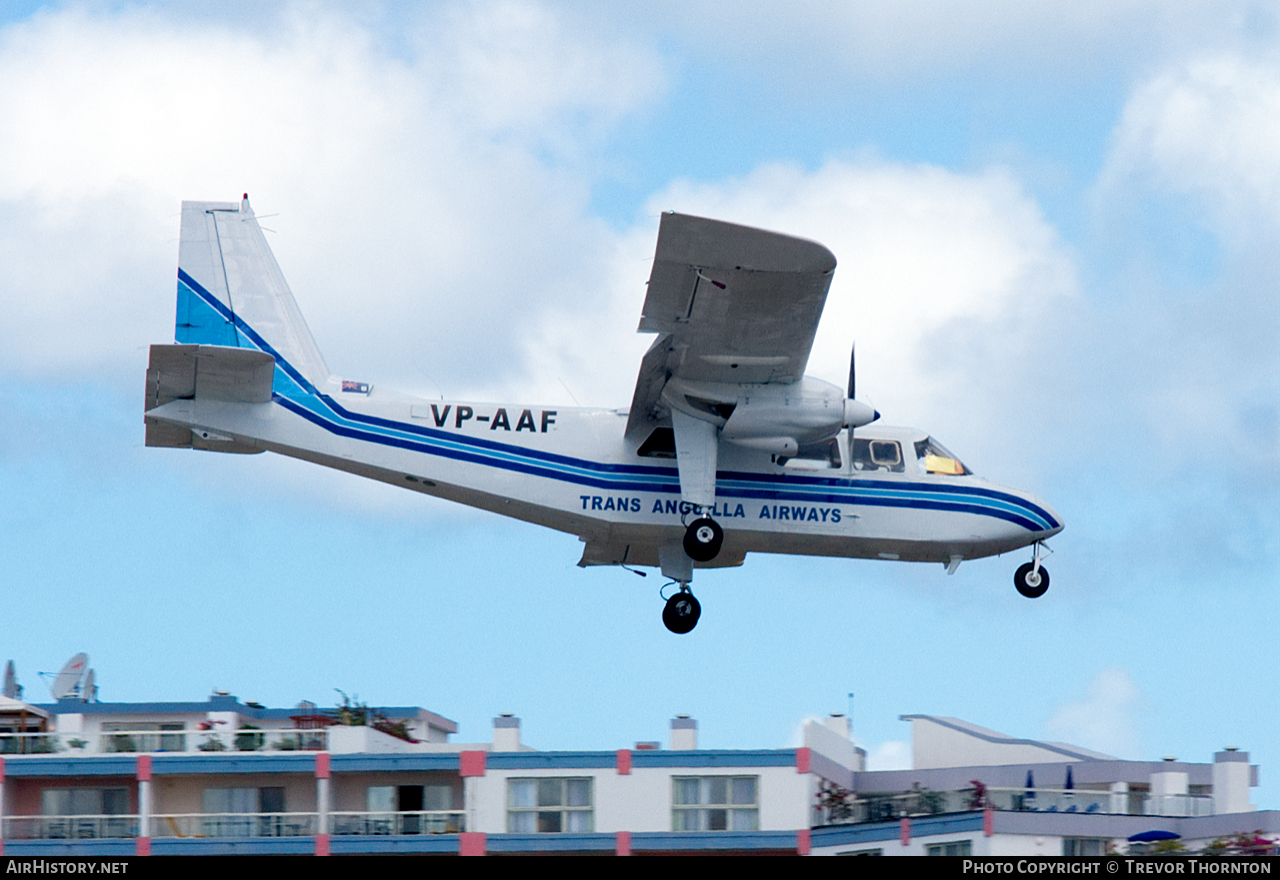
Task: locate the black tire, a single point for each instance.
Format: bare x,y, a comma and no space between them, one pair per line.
682,613
702,539
1022,579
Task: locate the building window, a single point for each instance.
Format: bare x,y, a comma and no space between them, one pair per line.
84,801
404,809
1084,846
715,803
84,813
244,812
549,805
954,848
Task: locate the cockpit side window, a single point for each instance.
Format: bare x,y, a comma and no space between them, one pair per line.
877,455
933,458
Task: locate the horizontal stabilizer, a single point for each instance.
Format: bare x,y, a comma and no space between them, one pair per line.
204,372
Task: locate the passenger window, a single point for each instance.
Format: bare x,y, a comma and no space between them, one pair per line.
660,444
877,455
814,456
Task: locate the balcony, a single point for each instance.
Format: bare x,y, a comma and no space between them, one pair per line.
847,808
398,824
70,827
29,743
145,741
239,825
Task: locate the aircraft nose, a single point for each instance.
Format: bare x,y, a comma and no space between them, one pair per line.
1053,519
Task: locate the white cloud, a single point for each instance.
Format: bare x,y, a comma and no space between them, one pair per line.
1209,129
518,67
890,755
422,196
1106,720
1197,148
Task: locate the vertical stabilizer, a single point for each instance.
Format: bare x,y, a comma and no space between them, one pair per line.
231,291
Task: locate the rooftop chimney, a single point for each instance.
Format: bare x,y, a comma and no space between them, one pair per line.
1231,779
838,722
684,733
506,733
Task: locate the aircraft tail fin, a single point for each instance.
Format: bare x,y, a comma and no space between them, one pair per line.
231,293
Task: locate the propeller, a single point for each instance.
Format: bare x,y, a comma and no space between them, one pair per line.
853,359
856,414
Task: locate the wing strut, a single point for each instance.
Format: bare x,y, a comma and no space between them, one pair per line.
697,442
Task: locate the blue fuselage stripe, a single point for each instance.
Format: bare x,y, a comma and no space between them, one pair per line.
298,395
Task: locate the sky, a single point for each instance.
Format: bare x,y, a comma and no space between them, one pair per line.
1058,234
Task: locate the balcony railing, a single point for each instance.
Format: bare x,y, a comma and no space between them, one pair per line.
29,743
194,825
136,741
69,827
858,809
213,741
1177,805
238,825
414,822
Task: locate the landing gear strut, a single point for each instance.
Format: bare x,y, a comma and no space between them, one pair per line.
1032,578
682,611
703,538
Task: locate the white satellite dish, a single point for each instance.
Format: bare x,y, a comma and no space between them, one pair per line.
10,681
89,693
67,684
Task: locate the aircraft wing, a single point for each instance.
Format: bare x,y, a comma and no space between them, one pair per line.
732,304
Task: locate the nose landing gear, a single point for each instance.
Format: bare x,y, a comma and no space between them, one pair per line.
1032,578
682,611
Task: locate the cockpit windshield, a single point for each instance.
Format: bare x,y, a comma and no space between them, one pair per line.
933,458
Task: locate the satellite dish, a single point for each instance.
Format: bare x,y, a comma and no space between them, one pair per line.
67,684
10,681
89,693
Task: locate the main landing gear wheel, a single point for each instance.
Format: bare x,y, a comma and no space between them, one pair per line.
702,539
1029,582
682,612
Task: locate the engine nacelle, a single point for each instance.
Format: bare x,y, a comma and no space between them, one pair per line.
773,418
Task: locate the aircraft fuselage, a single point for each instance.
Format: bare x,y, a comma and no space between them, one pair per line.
571,469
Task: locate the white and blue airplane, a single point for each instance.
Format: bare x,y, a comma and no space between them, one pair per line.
727,447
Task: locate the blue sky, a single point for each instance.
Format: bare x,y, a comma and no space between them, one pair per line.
1057,229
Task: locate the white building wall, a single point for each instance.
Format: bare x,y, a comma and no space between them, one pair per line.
785,799
1019,845
641,801
638,802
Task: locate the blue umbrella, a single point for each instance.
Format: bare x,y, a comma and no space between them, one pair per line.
1070,785
1149,836
1031,786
